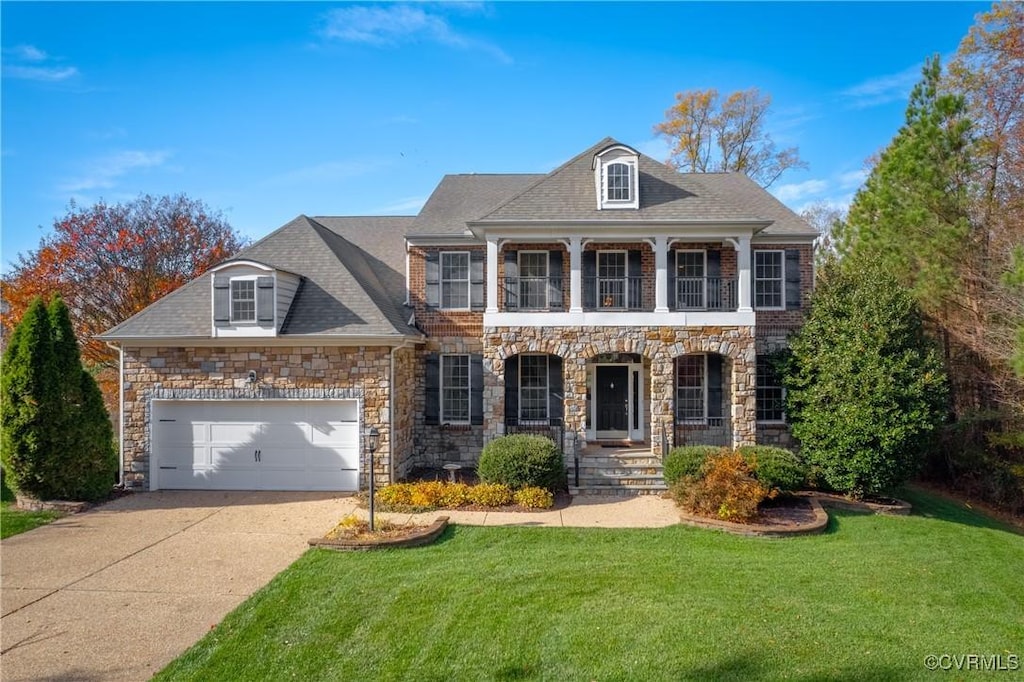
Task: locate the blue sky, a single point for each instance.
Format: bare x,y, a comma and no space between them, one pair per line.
267,110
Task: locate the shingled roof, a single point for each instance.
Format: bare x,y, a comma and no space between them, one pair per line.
345,290
460,198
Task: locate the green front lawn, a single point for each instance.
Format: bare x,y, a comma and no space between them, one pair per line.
868,600
14,521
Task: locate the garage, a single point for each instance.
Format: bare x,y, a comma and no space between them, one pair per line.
255,445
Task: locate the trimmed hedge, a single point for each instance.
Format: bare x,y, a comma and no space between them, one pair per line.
775,467
522,460
687,460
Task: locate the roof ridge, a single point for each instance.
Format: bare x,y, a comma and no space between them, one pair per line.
605,142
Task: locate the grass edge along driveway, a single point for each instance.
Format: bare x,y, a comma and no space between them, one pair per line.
870,599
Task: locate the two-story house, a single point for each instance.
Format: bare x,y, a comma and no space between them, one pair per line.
611,302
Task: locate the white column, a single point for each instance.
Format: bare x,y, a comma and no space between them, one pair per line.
575,274
492,275
661,274
743,264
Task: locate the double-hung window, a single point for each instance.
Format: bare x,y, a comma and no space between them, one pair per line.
690,282
455,280
769,280
691,388
619,182
611,279
533,280
770,393
533,388
455,389
243,300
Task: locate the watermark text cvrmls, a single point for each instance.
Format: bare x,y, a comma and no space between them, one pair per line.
980,662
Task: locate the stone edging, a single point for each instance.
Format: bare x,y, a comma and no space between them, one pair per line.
32,504
419,537
901,508
818,525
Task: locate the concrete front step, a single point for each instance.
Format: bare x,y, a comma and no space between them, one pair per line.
621,472
617,491
624,460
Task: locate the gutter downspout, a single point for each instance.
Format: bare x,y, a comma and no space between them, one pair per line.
120,413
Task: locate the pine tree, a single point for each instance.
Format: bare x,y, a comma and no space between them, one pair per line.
28,392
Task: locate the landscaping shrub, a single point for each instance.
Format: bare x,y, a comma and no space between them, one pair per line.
866,390
726,490
427,493
775,467
534,497
490,494
522,460
687,460
395,495
454,495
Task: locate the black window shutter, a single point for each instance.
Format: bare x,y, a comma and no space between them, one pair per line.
476,389
714,386
512,391
590,279
634,285
555,280
714,264
431,270
673,271
556,390
221,301
792,279
511,280
265,300
432,405
476,279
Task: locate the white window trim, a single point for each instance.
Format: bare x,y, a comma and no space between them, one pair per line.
704,269
469,389
547,270
769,422
231,301
782,297
630,180
613,155
704,385
547,390
598,278
441,281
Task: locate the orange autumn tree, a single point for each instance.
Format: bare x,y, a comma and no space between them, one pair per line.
109,261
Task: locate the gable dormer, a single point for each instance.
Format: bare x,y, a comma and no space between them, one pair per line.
617,178
250,298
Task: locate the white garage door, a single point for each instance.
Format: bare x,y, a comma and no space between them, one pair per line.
256,445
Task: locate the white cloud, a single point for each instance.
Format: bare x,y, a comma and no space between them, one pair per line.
103,173
29,63
799,191
658,148
393,25
46,74
883,89
404,205
853,179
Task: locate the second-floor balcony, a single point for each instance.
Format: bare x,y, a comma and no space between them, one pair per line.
620,294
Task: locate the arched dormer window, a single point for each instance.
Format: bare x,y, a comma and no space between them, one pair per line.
616,178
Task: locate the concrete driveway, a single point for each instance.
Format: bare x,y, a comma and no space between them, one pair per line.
118,592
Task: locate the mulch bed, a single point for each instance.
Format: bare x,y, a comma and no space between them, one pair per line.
781,517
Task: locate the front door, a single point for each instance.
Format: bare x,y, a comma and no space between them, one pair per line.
612,401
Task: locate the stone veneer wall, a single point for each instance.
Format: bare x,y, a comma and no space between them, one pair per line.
435,445
404,414
658,345
286,372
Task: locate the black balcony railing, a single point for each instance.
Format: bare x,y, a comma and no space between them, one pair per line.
706,293
533,293
618,293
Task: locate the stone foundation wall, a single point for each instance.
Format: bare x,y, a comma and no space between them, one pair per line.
657,345
288,372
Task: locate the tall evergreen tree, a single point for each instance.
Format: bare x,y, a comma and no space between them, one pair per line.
28,403
911,216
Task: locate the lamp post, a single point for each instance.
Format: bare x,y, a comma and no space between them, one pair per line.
373,441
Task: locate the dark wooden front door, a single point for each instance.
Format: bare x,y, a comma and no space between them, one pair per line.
612,398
